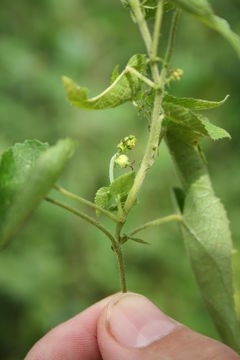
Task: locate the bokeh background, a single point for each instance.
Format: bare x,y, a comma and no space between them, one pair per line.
57,265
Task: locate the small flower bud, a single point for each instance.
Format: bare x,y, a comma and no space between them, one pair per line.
176,74
128,143
122,161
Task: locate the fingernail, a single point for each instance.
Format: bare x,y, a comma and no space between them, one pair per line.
135,322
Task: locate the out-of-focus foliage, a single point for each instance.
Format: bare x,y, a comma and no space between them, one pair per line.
57,265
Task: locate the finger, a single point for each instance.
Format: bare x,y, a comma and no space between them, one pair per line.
132,328
73,339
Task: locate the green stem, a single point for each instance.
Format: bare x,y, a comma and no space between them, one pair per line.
156,34
115,243
86,202
157,222
156,124
120,259
85,217
136,8
160,221
119,254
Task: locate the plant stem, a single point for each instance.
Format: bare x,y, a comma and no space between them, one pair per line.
156,34
120,259
85,217
86,202
119,254
156,123
136,8
160,221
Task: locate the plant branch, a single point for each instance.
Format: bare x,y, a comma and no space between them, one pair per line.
85,217
157,222
86,202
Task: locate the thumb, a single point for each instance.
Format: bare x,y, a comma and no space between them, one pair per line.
132,328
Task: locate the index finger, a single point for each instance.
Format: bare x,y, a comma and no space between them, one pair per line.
72,340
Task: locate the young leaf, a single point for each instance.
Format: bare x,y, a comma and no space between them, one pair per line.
191,127
123,88
27,173
203,11
123,184
102,198
207,238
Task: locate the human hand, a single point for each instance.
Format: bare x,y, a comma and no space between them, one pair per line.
126,327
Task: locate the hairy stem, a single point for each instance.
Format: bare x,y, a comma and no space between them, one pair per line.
86,202
120,259
119,254
157,222
136,8
157,118
85,217
156,34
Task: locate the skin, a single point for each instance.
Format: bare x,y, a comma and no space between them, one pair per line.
89,336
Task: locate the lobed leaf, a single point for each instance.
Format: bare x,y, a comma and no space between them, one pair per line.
27,173
191,127
204,12
123,184
207,237
123,88
102,198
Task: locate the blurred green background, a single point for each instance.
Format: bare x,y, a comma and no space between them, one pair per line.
57,265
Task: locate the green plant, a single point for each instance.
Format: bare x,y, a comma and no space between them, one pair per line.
29,170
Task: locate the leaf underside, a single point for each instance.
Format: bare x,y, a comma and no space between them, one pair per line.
207,237
27,173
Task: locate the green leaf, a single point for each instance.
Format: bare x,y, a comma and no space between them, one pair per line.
124,88
207,238
204,12
102,198
191,127
193,104
123,184
27,173
145,102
